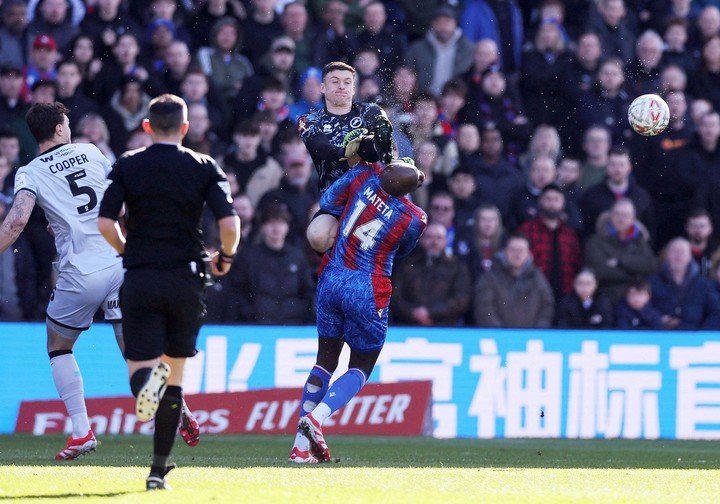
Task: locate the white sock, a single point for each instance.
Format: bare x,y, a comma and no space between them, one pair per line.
321,412
301,442
69,384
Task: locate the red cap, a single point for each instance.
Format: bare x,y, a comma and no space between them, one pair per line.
44,42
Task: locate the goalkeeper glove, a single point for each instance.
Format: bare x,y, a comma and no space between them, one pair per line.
351,142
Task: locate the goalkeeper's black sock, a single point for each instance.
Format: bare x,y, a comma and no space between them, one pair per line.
166,424
138,379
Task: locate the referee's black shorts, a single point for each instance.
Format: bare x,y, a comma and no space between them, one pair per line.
162,312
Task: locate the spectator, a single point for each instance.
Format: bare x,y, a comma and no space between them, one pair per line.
41,65
699,107
195,88
544,142
485,56
256,172
452,100
568,178
706,80
596,147
540,76
635,311
12,33
425,124
125,64
514,293
382,37
444,304
584,308
610,21
607,103
269,127
617,185
581,71
56,21
676,50
201,23
707,26
44,91
673,78
698,167
442,211
699,232
442,54
200,137
401,95
70,93
125,113
271,283
486,241
427,160
9,309
222,62
93,127
277,65
310,94
496,105
82,51
274,99
106,23
261,27
554,245
462,188
499,21
294,20
296,191
524,206
619,251
644,72
334,42
682,294
366,62
176,65
12,107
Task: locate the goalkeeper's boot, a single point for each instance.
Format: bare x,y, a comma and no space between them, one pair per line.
189,427
77,447
157,481
148,398
300,453
312,430
383,139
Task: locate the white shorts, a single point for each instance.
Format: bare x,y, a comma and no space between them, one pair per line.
77,297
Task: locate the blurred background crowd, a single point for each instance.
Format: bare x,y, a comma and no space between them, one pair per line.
545,209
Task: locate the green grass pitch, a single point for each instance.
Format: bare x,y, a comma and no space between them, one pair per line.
232,469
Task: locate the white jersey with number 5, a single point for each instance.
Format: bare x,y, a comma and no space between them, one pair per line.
69,182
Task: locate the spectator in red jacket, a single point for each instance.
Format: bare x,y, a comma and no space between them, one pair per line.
554,244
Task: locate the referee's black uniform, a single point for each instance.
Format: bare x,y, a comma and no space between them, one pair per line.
164,187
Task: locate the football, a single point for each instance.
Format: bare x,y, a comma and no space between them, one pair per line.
648,115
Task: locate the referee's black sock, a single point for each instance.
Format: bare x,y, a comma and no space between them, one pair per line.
138,379
166,424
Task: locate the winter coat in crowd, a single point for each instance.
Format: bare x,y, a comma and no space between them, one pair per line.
695,301
573,313
505,300
441,284
633,253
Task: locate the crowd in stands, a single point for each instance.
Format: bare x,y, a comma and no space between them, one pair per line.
545,209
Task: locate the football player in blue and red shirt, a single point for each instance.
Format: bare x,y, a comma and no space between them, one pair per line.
377,223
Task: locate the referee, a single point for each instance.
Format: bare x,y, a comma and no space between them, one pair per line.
164,188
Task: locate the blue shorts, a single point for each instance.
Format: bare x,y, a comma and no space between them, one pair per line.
353,305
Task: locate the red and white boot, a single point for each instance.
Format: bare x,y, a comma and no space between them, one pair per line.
77,447
312,430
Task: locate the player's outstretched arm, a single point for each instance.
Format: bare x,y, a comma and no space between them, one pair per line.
110,229
16,218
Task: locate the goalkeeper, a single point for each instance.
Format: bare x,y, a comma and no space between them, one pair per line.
338,137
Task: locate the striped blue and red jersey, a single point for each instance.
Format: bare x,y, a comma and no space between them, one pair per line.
375,227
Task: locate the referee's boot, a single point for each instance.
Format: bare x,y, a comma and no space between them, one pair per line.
157,481
148,398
